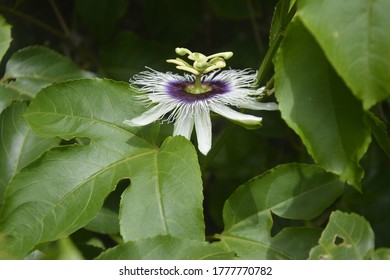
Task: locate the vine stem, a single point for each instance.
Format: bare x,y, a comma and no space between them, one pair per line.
286,16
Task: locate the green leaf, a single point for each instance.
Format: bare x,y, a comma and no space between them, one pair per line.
346,237
171,198
5,36
106,222
31,69
292,243
317,105
292,191
66,188
166,248
381,254
19,144
103,17
62,249
354,37
7,95
379,130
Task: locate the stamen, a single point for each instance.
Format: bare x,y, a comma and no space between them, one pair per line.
187,92
202,64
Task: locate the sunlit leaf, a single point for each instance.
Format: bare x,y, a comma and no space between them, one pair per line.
354,36
346,237
166,248
19,145
167,201
66,188
317,105
31,69
7,95
292,191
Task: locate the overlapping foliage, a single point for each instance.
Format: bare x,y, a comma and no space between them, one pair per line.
75,182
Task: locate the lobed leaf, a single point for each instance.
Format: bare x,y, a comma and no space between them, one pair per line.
166,248
354,37
167,200
317,105
293,191
19,145
346,237
66,188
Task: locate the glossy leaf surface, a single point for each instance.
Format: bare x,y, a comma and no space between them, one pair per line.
65,189
19,145
7,95
346,237
317,105
166,248
354,37
31,69
167,199
290,191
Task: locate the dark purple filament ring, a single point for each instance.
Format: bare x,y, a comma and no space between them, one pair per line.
177,90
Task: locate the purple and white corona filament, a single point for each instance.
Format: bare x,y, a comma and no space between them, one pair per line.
190,98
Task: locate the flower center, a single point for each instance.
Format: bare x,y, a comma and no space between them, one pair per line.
193,89
181,90
198,87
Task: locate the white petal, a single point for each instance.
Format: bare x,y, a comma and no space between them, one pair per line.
254,105
184,125
203,130
229,113
151,115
